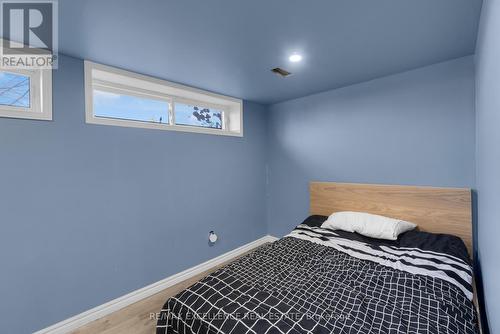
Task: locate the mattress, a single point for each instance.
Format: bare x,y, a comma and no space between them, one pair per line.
321,281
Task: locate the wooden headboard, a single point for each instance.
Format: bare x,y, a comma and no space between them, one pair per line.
437,210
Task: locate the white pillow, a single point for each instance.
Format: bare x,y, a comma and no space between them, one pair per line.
369,225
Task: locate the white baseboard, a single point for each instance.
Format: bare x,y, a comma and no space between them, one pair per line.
100,311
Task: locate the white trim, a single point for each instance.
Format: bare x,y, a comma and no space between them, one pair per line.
98,76
100,311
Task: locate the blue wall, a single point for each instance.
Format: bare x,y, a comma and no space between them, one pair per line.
488,156
411,128
90,213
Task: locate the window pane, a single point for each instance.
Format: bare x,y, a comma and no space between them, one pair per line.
127,107
186,114
14,90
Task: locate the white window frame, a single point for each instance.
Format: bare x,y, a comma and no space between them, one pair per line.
114,80
40,95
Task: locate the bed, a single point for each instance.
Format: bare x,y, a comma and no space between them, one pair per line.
316,280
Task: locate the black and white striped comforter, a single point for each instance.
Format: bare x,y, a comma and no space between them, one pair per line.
322,281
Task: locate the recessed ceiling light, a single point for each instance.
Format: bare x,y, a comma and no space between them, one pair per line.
295,58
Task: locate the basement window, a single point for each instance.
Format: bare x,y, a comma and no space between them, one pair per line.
120,98
26,94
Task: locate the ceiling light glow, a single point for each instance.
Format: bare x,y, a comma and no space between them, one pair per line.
295,58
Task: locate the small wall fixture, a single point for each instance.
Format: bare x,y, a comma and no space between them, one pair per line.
212,237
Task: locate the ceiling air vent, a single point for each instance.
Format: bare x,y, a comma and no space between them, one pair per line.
280,71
